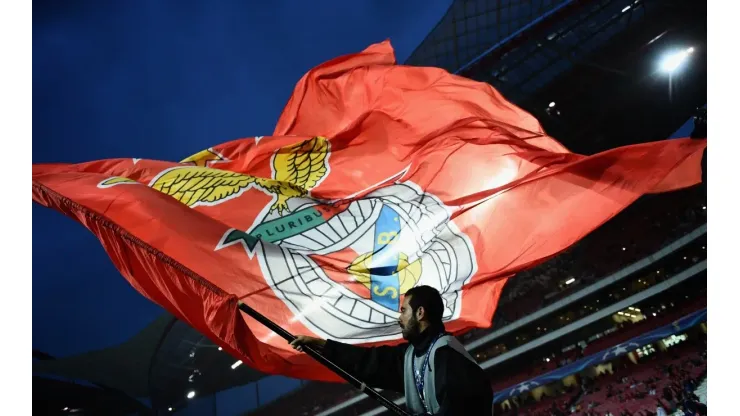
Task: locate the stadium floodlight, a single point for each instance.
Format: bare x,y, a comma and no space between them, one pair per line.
236,364
191,394
673,60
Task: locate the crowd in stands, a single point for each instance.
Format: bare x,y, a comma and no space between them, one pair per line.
666,380
622,333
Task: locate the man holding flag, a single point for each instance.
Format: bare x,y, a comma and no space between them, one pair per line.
378,179
433,370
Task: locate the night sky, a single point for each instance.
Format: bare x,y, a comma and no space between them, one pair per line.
163,80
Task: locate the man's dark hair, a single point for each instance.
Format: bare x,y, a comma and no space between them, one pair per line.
429,298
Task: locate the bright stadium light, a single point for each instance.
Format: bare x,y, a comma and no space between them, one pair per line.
169,409
569,281
673,60
626,8
552,104
236,364
191,394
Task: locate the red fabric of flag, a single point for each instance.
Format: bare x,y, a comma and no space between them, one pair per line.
379,177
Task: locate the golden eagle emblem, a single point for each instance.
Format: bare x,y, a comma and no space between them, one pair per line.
297,169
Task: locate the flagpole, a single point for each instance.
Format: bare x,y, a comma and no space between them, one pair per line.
323,360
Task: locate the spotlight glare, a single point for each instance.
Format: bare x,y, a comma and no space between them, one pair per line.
626,8
236,364
552,104
191,394
672,61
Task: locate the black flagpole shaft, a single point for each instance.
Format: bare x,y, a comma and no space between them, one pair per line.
323,360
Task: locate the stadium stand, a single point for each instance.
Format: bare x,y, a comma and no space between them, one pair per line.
669,379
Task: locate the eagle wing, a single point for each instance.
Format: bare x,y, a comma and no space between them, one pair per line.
302,164
204,158
195,185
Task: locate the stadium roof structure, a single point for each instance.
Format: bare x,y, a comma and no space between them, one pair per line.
580,66
470,28
161,363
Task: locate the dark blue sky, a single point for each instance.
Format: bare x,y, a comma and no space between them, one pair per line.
162,80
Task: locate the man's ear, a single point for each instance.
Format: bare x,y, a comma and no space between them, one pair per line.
420,313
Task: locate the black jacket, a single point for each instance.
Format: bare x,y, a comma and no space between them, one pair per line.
462,387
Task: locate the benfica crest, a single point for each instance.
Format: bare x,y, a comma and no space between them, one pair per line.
340,267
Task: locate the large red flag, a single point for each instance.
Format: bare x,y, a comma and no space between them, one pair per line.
379,177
